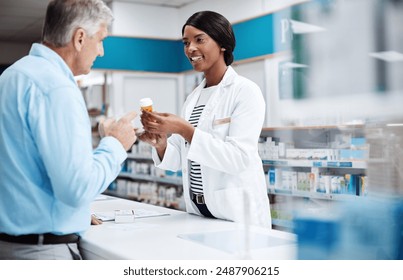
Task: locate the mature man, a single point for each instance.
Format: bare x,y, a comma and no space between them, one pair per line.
49,172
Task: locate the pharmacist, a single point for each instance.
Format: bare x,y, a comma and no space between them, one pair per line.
215,143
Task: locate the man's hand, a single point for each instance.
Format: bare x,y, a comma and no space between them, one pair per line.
95,221
122,129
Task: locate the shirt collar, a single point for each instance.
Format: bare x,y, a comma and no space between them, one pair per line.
50,55
228,78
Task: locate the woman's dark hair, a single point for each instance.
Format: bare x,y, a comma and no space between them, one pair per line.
218,28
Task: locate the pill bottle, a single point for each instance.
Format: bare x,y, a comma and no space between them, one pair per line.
146,104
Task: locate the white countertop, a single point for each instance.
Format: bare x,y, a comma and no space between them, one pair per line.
179,235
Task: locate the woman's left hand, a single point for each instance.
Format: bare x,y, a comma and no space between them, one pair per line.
165,123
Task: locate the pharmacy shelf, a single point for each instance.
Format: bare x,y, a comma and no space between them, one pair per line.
149,178
314,195
310,138
287,225
315,163
315,127
139,157
158,202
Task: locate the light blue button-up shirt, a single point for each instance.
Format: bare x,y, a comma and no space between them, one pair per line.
49,172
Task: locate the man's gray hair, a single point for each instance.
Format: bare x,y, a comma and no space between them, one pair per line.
64,17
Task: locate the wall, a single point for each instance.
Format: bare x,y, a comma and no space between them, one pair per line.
10,52
339,84
127,88
342,82
150,22
145,21
335,92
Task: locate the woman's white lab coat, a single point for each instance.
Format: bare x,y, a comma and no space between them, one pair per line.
225,145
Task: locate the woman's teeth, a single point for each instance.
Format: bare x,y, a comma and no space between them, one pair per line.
195,58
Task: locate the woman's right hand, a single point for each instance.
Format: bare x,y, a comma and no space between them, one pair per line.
166,123
159,141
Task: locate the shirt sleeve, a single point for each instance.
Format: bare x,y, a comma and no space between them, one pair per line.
172,156
62,131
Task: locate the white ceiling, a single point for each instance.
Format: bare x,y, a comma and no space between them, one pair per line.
21,20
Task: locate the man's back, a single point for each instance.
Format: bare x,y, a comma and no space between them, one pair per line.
30,91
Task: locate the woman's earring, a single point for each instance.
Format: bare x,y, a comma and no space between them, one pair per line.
223,49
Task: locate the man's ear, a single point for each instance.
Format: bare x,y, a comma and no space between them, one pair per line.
79,39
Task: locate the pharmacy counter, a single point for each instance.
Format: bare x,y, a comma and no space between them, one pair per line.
179,235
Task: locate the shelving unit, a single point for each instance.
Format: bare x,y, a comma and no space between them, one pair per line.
149,178
95,94
312,168
312,195
359,164
140,180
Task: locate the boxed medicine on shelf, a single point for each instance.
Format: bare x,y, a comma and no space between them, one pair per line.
318,159
310,168
140,180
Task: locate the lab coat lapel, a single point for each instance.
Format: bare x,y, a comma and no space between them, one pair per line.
211,104
191,102
216,97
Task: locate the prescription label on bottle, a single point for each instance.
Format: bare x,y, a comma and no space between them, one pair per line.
146,104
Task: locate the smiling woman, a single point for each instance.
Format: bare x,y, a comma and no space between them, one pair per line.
215,140
205,50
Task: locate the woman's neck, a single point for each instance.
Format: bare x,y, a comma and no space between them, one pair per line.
215,74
